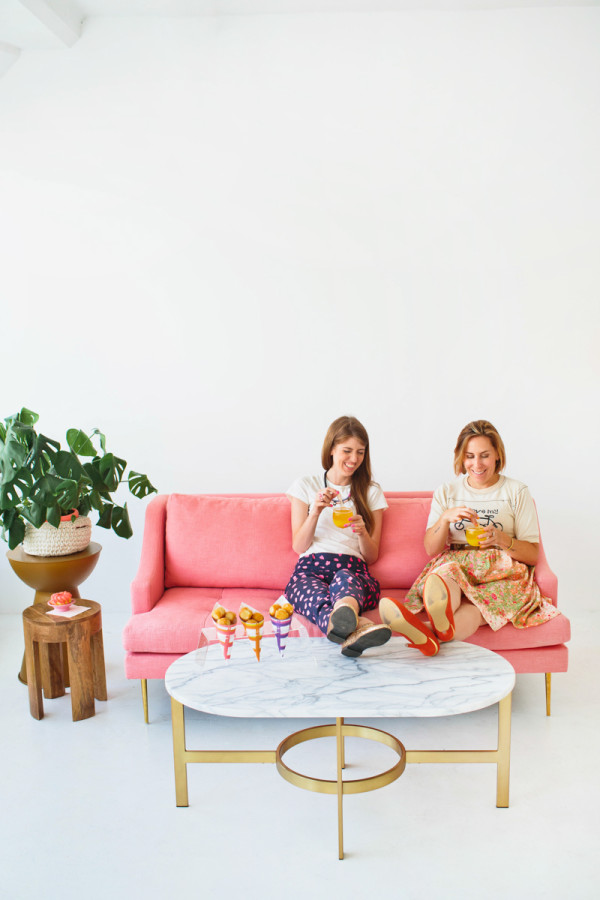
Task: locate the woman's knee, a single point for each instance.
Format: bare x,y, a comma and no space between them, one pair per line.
467,619
343,587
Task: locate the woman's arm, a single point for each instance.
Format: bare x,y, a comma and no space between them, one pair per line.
437,536
523,551
368,543
304,523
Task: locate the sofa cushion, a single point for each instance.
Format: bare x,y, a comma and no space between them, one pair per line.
228,541
402,554
555,631
174,625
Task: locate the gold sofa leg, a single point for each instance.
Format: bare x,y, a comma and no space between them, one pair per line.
548,691
144,683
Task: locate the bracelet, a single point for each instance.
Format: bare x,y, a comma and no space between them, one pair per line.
510,546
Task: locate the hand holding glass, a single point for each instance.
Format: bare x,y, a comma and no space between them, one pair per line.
473,535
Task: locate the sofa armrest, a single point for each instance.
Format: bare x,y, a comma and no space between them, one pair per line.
148,586
545,577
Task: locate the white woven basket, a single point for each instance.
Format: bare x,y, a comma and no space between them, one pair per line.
69,537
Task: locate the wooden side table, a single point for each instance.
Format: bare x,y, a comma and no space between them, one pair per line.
79,639
47,574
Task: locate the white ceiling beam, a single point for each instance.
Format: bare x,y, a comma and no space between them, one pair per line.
61,17
8,55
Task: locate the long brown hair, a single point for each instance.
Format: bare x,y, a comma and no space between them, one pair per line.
478,428
339,431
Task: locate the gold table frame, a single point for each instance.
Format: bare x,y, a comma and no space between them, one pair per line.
500,757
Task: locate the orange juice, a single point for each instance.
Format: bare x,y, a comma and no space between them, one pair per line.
341,516
473,534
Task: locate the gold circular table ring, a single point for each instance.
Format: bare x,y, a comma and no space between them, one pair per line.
351,786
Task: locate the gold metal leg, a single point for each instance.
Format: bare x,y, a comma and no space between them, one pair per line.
181,756
548,691
339,740
178,723
145,698
500,756
503,767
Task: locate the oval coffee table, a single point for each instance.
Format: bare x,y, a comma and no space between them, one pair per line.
313,680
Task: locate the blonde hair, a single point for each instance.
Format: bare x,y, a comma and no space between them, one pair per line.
478,428
339,431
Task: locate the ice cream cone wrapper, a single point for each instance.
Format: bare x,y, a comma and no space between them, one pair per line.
225,636
281,627
254,635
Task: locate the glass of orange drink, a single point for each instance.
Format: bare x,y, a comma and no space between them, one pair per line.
473,534
341,515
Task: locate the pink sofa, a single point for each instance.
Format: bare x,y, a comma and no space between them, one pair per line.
198,549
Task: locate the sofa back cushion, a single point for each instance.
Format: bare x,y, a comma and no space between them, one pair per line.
228,541
402,554
237,541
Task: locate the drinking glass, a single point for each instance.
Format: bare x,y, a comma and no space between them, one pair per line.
473,534
341,514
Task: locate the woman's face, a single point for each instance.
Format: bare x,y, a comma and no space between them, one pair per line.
346,457
480,462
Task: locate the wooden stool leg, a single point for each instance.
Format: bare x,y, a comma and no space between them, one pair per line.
52,672
34,677
22,676
98,666
65,665
79,651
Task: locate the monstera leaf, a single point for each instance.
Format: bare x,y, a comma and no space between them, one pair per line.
139,485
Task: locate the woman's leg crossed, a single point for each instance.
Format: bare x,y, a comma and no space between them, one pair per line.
310,597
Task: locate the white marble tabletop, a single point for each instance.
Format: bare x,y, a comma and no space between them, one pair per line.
313,680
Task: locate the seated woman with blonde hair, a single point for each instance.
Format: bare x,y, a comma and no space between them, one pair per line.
487,576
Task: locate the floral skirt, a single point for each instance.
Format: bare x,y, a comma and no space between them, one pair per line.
502,589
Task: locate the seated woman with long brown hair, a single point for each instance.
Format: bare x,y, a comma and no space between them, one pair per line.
331,584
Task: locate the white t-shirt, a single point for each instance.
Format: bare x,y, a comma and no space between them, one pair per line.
328,537
506,505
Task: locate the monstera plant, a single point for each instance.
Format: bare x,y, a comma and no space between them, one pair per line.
42,482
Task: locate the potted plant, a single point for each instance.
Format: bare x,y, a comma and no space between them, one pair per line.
44,488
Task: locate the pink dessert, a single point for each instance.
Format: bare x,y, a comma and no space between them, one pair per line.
61,600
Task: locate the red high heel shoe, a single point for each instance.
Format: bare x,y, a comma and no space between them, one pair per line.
403,621
436,600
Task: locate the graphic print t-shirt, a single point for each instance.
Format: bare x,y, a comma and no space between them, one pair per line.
506,505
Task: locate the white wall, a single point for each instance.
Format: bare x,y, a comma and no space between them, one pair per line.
219,234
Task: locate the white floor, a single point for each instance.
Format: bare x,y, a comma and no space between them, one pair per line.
88,808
